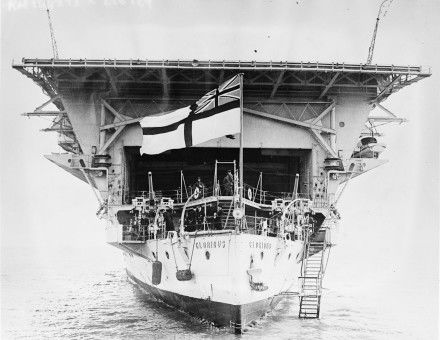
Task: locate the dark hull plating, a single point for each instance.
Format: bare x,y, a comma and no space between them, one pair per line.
219,313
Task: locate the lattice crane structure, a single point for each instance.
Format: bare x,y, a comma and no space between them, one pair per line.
52,34
383,10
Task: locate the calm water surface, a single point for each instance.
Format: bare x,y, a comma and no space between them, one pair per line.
84,294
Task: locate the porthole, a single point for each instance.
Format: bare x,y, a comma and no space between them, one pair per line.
167,255
262,255
207,254
341,124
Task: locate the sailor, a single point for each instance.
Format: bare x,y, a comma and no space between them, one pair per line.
161,223
201,186
190,220
169,224
228,183
199,218
214,221
218,218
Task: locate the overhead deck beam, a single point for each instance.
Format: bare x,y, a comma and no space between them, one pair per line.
57,129
43,113
288,121
323,113
112,81
329,85
112,110
165,83
123,123
165,78
277,84
386,89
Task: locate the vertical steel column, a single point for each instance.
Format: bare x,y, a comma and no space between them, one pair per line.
333,126
241,141
102,132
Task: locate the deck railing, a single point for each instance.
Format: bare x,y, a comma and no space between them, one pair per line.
250,193
224,64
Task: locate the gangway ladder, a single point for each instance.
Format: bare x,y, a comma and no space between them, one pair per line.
311,280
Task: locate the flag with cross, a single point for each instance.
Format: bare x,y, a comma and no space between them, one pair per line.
214,115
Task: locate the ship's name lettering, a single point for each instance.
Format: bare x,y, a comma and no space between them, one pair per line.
210,244
260,245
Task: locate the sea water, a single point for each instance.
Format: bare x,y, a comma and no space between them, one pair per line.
83,293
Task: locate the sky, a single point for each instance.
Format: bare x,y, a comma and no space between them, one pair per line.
392,210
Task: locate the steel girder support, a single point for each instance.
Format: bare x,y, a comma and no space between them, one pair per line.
43,113
112,110
60,123
323,143
111,140
288,120
112,81
385,91
118,124
277,84
166,76
39,77
389,117
329,85
324,113
51,100
165,83
118,119
316,130
39,112
57,129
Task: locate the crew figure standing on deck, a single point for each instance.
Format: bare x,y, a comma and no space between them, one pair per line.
228,183
201,186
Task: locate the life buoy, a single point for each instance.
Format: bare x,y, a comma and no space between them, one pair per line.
249,194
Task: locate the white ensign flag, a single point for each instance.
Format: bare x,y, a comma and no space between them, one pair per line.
215,115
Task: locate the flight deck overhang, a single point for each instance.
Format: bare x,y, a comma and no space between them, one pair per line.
177,80
100,102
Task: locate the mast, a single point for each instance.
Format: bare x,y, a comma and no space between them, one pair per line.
241,142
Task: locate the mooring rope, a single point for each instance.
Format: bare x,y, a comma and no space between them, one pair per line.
192,252
174,255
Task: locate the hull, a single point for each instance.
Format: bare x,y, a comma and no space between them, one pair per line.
220,314
222,288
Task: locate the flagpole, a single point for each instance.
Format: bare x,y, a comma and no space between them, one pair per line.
241,141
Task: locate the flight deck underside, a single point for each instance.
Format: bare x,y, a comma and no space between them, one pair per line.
316,110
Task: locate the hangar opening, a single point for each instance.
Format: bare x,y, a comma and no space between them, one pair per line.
275,168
